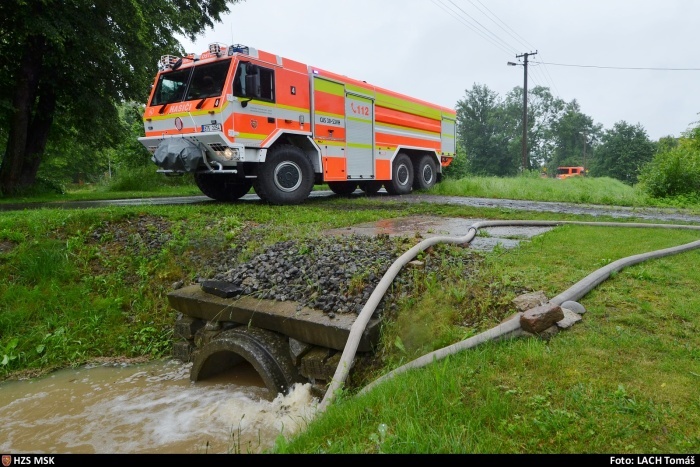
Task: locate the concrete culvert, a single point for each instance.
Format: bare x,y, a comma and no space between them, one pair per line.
267,351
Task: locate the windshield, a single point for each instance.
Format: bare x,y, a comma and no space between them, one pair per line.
171,87
191,83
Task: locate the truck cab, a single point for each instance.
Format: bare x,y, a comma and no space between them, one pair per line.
566,172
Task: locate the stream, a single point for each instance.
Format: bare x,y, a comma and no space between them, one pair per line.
147,408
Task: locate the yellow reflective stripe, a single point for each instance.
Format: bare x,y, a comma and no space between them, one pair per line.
359,90
329,87
367,120
395,103
360,146
330,143
251,136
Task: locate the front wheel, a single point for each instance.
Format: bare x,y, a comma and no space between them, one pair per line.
222,187
401,182
286,177
426,173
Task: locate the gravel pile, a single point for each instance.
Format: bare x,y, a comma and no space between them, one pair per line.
332,274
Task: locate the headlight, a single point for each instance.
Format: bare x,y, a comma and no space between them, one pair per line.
231,154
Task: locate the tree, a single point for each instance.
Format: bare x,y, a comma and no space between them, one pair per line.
570,133
543,111
485,131
624,149
74,62
675,168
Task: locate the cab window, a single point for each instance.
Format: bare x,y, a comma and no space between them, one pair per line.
208,80
171,87
254,82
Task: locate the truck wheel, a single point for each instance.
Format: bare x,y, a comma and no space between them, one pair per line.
401,182
371,188
222,187
425,174
343,188
286,177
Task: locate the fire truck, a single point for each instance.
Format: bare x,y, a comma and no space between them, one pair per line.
239,118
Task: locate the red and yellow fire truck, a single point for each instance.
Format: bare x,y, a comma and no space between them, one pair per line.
237,118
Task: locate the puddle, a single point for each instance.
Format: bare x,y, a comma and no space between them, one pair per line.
146,408
431,226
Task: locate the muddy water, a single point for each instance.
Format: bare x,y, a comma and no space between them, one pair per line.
147,408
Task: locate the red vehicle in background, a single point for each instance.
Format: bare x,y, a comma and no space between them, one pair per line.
566,172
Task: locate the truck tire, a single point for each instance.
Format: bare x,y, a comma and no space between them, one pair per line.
401,182
370,188
425,173
343,188
222,187
286,177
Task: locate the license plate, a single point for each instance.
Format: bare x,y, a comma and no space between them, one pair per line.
211,127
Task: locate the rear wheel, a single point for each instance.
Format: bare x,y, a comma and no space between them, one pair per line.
343,188
371,188
426,173
401,182
286,177
222,187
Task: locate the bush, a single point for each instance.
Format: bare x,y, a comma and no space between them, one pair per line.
144,179
672,173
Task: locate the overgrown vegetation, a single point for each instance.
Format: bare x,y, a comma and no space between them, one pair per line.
675,171
87,285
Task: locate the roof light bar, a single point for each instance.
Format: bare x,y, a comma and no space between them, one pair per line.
238,48
216,48
166,62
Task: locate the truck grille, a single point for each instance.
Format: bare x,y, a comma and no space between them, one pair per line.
218,147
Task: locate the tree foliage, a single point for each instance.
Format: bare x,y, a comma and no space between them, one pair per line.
69,64
486,132
675,169
490,128
574,137
624,149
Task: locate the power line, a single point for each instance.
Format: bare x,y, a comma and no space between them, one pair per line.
491,15
472,23
459,18
482,26
620,67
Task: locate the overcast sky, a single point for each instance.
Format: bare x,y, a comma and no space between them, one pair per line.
389,43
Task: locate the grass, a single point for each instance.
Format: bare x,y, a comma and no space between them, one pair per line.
579,190
620,381
623,380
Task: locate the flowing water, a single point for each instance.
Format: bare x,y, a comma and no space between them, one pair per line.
147,408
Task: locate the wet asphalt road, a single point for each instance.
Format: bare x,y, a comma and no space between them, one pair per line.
654,214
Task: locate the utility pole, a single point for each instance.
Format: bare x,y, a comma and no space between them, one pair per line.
524,57
584,152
